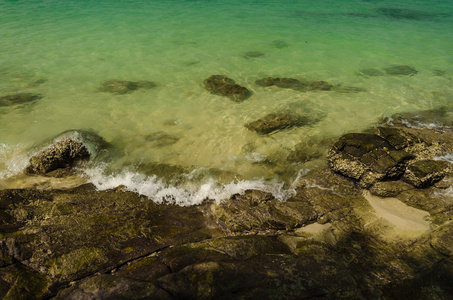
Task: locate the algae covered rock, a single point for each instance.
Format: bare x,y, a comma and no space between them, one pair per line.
367,158
287,83
65,151
63,154
425,173
16,99
400,70
277,121
224,86
295,84
123,86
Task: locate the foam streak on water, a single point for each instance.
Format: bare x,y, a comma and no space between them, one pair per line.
65,50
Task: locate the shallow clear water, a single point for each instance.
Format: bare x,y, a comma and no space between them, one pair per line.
65,50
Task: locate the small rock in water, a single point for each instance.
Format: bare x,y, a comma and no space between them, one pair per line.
123,86
319,86
402,13
295,84
279,44
63,154
224,86
16,99
400,70
277,121
286,83
161,139
252,54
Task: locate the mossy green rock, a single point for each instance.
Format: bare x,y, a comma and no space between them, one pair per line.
224,86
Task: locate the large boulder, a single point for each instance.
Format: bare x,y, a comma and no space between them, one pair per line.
20,98
224,86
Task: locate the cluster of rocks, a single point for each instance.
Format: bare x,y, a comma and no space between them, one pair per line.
324,242
393,154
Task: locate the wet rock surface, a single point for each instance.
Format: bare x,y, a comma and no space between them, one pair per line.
224,86
57,157
326,241
63,154
17,99
123,86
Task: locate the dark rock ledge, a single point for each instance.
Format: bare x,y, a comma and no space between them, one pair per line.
325,242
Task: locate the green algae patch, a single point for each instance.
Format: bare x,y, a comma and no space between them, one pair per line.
75,261
23,283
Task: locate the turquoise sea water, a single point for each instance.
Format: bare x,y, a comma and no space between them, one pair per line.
64,50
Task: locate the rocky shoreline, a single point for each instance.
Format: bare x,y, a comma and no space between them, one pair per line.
375,224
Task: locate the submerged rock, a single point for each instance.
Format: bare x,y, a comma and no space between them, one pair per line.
16,99
224,86
427,118
280,44
123,86
295,84
400,70
252,54
63,154
371,72
405,14
277,121
161,139
286,83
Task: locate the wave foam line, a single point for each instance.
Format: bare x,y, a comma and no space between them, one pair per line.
160,192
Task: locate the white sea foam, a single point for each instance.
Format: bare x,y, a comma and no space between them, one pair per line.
189,194
447,157
12,160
